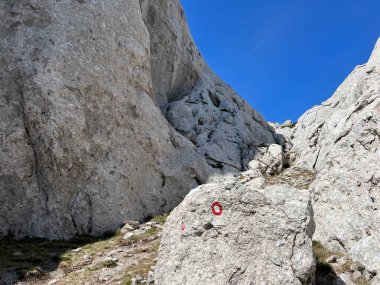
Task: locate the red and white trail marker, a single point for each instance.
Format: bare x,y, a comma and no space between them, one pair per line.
217,208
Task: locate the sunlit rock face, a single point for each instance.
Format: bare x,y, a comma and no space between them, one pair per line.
239,231
340,140
89,95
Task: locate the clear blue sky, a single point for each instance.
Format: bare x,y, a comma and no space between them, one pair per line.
284,56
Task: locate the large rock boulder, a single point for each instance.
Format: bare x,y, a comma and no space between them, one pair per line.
84,144
340,140
238,231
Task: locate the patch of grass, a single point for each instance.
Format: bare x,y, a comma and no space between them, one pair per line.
362,281
325,272
141,269
67,258
117,233
160,219
322,252
294,176
109,263
80,277
142,237
34,257
151,249
156,247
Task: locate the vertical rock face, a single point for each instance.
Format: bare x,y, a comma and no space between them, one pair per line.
340,140
199,105
83,143
238,231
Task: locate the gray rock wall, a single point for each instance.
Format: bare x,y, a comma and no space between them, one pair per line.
340,140
199,105
84,144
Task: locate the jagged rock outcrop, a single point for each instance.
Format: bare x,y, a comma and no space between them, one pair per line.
340,141
262,235
84,145
199,105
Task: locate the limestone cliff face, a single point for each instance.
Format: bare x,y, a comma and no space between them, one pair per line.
340,140
199,105
85,89
334,152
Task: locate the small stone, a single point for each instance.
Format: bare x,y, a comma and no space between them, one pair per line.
76,250
346,279
332,259
342,260
103,278
139,278
128,236
52,282
126,228
133,224
368,275
147,228
150,278
133,281
356,275
111,259
357,266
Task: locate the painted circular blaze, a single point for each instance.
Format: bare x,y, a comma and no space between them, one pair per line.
183,228
217,208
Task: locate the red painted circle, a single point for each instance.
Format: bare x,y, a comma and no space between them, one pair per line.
217,208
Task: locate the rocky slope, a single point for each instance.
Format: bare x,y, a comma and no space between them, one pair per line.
340,140
333,152
109,112
88,94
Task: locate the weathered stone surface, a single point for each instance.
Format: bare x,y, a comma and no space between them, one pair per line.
269,160
367,252
84,145
340,141
263,236
199,105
